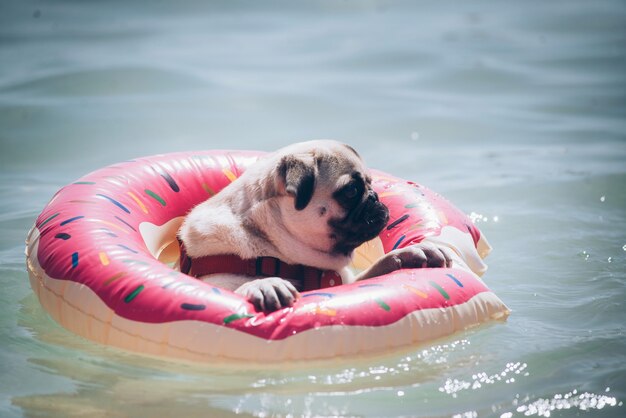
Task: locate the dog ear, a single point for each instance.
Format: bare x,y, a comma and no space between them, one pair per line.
298,175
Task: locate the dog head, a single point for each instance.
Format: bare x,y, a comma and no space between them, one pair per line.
327,200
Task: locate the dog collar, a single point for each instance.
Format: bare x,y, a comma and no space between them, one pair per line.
312,278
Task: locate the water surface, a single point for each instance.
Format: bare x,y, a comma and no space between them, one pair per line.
513,110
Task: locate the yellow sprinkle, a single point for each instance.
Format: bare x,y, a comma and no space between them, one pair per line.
231,176
386,194
139,202
416,291
325,311
104,259
112,225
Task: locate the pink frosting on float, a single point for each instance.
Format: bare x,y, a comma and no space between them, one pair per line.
90,234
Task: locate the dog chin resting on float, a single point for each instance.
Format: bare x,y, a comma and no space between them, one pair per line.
308,204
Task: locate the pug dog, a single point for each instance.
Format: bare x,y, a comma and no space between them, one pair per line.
310,204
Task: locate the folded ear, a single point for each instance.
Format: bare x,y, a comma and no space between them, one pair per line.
298,174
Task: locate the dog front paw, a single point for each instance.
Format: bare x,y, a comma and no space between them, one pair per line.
414,256
420,255
269,294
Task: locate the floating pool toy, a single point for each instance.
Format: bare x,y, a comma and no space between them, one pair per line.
102,255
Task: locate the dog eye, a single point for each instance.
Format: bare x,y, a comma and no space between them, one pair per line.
350,191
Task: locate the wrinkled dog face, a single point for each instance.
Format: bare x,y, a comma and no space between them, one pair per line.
330,204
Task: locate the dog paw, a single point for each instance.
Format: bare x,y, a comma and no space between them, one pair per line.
414,256
420,256
269,294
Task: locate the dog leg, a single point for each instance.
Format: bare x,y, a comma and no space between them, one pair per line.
414,256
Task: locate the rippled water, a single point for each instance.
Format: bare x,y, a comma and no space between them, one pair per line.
516,111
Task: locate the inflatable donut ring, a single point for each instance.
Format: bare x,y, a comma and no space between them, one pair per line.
102,255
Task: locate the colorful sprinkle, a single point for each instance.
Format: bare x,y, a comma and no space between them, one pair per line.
115,202
128,248
371,285
398,242
67,221
236,317
325,311
229,174
49,219
457,281
416,291
411,205
326,295
112,225
74,260
139,202
387,194
397,222
193,306
133,294
104,259
170,181
216,291
382,304
155,196
85,182
109,233
440,289
125,223
207,189
63,236
114,278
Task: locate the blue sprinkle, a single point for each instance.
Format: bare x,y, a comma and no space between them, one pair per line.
125,223
170,181
127,248
457,281
308,295
63,236
67,221
115,202
398,242
74,260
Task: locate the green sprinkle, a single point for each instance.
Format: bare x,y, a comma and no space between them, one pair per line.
207,189
382,304
411,205
133,294
440,289
85,182
236,317
155,196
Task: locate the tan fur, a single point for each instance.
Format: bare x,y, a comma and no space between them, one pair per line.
254,216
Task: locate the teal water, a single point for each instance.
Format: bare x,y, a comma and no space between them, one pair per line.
515,111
